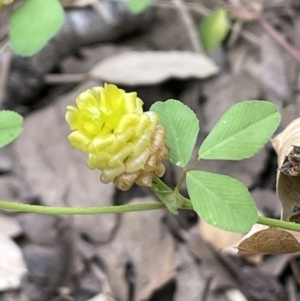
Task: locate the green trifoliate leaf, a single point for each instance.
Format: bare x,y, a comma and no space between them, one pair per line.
33,24
138,6
242,131
221,201
182,129
213,29
10,126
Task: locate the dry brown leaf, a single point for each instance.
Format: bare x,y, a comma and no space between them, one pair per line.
219,238
152,67
253,258
225,241
270,241
287,187
295,218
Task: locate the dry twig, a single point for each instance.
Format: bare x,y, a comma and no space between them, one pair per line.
189,24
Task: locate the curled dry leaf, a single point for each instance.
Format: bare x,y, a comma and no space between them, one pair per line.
295,218
270,241
254,258
286,145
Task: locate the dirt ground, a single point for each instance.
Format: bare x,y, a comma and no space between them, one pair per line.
153,255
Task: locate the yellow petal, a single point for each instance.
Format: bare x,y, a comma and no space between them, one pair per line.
79,141
98,160
109,174
135,163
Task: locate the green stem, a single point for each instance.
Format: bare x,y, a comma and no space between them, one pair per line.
185,170
126,208
193,165
79,210
278,223
180,182
185,203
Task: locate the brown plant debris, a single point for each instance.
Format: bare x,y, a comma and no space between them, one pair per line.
291,163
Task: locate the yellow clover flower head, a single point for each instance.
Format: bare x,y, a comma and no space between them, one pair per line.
121,140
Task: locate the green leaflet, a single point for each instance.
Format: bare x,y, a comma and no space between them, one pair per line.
33,24
138,6
182,129
241,132
222,201
10,126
